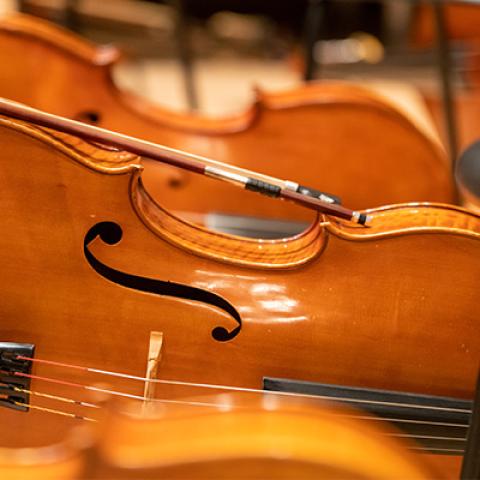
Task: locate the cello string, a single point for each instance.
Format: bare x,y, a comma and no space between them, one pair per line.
228,406
113,392
243,389
439,450
54,411
408,420
91,405
425,437
217,406
407,436
57,397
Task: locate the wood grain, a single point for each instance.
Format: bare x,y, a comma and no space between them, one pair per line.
392,307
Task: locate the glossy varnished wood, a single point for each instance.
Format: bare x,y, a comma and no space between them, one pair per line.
247,438
393,306
232,437
335,137
62,461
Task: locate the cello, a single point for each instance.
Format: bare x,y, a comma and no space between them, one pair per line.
316,130
97,276
232,437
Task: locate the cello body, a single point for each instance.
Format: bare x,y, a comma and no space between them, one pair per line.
92,265
336,137
261,438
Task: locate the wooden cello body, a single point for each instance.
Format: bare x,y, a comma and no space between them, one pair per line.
261,438
92,267
342,138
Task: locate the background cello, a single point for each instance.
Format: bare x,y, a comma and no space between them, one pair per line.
328,133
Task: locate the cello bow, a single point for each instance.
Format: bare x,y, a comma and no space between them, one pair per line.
247,179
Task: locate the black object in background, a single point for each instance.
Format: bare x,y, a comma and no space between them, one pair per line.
471,459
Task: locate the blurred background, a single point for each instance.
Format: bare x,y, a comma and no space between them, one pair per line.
209,55
212,57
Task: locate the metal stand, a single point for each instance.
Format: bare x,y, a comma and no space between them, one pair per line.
182,34
22,6
444,66
70,16
314,19
471,459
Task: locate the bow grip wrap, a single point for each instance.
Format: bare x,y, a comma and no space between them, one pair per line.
264,188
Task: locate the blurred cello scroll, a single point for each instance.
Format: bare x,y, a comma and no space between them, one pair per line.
321,131
228,437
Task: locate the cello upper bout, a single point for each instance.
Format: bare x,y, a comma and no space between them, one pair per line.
95,157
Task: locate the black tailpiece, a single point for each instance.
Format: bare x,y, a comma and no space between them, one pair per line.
9,364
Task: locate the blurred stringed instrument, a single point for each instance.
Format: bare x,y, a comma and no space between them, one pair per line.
232,437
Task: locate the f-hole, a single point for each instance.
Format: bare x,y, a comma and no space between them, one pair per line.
111,233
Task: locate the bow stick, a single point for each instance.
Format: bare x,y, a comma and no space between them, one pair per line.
247,179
